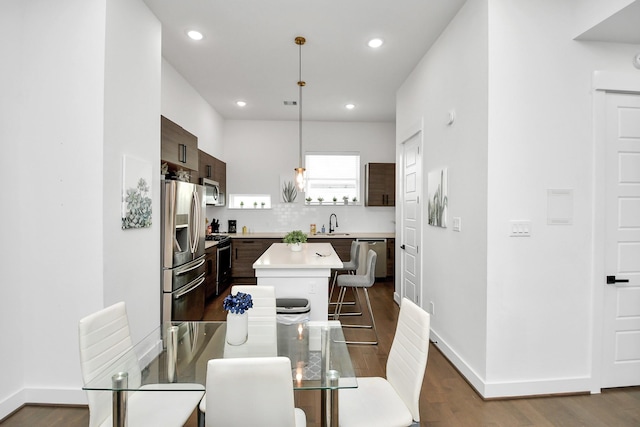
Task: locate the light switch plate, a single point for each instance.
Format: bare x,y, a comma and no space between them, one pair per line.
520,228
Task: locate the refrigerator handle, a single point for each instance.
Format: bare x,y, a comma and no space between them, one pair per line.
180,294
194,221
193,267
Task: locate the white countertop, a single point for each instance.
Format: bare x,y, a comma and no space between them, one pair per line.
280,255
336,235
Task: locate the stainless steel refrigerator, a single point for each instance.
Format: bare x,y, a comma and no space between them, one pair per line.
183,254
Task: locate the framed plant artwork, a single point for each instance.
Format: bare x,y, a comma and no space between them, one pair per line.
136,193
438,197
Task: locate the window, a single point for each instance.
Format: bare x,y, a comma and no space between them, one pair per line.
249,201
332,175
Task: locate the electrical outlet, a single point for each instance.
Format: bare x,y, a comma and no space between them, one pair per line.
457,224
312,288
432,308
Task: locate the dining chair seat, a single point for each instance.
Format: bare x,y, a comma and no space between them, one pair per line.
375,404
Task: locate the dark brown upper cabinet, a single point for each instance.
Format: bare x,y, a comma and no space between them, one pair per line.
380,184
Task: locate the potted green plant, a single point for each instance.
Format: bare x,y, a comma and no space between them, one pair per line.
255,205
295,239
262,204
241,205
335,200
345,199
308,199
320,199
355,200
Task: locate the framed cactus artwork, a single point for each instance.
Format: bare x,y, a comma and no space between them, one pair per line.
288,190
136,193
438,197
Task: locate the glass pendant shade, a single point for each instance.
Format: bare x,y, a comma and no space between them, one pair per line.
299,178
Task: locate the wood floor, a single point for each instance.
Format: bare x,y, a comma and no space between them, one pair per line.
446,399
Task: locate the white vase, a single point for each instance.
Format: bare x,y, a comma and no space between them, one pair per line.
296,247
237,328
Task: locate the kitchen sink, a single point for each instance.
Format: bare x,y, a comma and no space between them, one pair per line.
333,234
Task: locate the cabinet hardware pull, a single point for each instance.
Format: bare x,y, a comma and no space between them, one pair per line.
182,153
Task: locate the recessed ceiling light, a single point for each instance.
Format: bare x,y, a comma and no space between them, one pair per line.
350,106
195,35
374,43
241,103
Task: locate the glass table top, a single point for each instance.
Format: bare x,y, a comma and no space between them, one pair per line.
174,356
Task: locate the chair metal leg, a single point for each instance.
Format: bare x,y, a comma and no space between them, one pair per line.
373,320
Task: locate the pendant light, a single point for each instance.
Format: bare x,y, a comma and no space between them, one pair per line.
299,171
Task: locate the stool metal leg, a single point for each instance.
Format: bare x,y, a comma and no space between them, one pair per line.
373,320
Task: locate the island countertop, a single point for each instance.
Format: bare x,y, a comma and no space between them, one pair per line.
312,256
336,235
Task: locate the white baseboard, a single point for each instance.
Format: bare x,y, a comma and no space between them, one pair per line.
396,297
506,389
46,396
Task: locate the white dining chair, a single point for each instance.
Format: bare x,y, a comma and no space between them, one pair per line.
356,282
104,339
394,401
263,310
255,391
264,301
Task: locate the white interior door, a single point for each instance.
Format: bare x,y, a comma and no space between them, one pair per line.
411,218
621,329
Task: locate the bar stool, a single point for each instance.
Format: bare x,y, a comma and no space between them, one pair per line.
355,282
350,267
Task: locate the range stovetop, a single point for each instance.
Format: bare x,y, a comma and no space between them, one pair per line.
218,237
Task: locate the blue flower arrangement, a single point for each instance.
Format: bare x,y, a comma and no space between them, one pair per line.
238,303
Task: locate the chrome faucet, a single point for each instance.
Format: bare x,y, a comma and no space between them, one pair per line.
331,229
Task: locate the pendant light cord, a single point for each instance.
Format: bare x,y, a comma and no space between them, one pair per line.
300,84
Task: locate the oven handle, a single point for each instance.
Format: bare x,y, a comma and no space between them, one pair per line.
193,267
186,291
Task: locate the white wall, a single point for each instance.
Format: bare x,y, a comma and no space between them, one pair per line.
540,288
534,335
132,129
453,75
259,152
65,255
56,170
183,105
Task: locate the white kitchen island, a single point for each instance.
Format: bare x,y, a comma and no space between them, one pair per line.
303,274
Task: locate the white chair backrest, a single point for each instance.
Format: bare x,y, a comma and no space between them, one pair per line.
355,254
264,301
104,337
254,391
407,359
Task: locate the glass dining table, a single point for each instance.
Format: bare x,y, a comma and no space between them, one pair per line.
175,355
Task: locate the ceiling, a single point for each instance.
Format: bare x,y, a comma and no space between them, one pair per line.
248,53
621,27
